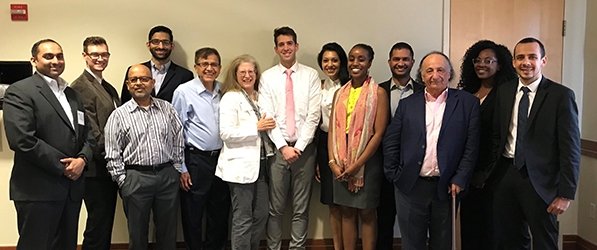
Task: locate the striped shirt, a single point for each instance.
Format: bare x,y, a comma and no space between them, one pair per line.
143,136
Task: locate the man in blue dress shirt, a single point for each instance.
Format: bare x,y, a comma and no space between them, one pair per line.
198,105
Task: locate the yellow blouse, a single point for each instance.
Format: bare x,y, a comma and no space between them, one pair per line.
353,96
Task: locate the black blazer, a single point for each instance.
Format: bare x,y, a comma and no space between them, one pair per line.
387,84
405,141
99,101
175,76
486,114
552,138
40,134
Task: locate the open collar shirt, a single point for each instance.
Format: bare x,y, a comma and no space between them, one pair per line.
143,136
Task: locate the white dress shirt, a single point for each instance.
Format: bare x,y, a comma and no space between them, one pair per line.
159,74
307,100
58,88
511,143
327,97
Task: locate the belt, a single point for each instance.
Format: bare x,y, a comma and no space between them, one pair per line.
210,153
291,144
154,168
429,178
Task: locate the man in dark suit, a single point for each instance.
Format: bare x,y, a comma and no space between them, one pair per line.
430,149
47,129
537,144
400,86
167,74
100,99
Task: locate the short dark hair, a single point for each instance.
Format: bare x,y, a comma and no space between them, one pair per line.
285,30
35,47
205,52
420,78
366,47
531,40
93,40
402,45
343,70
160,28
470,82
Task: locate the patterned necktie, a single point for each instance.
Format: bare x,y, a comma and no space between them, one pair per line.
523,111
290,126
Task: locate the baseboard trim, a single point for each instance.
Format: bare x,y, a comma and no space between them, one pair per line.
569,242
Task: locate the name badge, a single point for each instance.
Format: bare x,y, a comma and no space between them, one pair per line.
81,117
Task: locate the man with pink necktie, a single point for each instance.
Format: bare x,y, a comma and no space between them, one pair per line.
290,93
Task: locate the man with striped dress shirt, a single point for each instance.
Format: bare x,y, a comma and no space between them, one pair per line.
144,150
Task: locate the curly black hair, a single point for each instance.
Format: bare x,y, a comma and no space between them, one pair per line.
470,82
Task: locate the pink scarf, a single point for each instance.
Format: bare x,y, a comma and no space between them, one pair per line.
360,131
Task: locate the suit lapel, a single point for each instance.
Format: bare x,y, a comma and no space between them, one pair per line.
451,103
47,93
538,100
508,99
99,89
72,101
169,74
489,100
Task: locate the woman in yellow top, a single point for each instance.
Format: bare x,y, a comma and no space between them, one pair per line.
357,123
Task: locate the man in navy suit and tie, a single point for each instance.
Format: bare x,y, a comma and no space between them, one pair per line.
430,149
537,145
167,74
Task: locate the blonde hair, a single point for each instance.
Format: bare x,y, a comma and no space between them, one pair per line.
231,81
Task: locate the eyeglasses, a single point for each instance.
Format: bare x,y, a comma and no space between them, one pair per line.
143,79
243,73
157,42
207,64
485,61
96,56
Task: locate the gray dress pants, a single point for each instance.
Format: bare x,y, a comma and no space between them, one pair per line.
295,179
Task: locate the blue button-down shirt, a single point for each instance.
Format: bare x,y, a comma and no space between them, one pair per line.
199,112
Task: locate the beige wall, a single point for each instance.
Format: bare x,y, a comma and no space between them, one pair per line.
587,226
235,27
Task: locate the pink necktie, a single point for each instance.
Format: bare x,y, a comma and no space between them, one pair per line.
290,129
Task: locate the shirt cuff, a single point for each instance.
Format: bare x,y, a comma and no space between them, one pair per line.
184,168
120,180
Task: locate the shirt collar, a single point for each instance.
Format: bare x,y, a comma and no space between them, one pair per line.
201,88
441,98
294,67
532,87
409,83
53,84
99,79
165,67
133,106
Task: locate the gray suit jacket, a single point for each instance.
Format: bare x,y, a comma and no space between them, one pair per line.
99,101
40,134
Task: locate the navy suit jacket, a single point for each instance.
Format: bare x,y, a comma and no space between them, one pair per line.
175,76
457,148
552,139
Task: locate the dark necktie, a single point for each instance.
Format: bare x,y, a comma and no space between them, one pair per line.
523,110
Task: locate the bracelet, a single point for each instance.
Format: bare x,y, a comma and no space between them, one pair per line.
331,161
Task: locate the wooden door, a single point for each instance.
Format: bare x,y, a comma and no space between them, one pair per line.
506,22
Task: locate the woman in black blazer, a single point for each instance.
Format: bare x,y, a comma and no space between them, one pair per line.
485,66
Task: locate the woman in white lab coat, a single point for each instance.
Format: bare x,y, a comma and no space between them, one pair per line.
244,156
